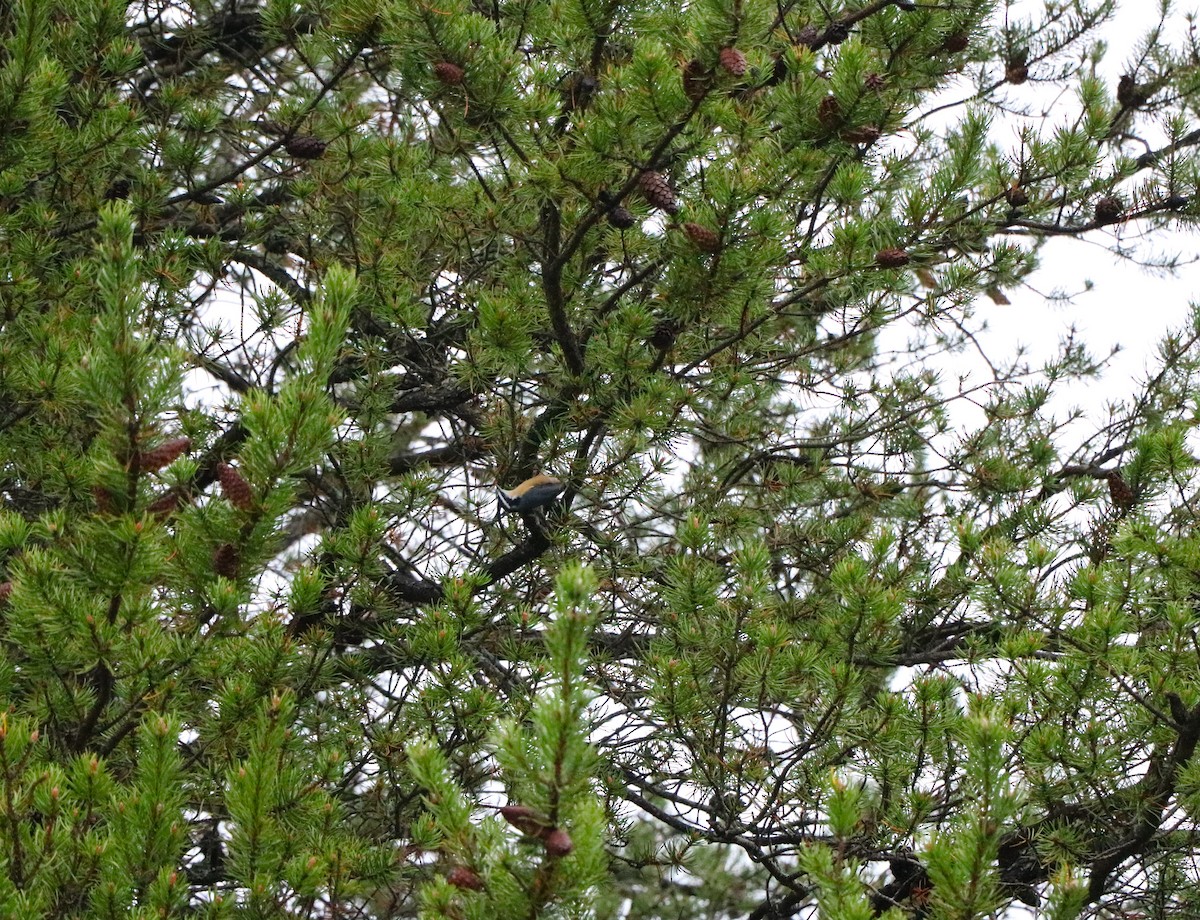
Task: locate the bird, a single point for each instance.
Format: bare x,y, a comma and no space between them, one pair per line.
533,493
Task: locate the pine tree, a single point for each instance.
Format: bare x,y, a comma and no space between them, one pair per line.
288,290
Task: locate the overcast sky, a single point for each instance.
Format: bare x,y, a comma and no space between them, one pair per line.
1116,302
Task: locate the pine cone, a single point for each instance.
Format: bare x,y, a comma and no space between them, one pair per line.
829,112
119,190
166,504
305,147
733,61
657,190
956,42
892,258
875,82
1123,497
621,217
867,134
462,877
525,819
103,500
6,590
1109,209
996,295
557,842
1016,70
1016,196
235,487
225,560
1016,74
697,80
449,73
702,237
910,883
808,36
163,455
664,334
779,70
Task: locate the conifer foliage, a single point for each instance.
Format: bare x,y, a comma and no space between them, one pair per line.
289,288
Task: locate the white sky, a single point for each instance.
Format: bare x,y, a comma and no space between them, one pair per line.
1126,305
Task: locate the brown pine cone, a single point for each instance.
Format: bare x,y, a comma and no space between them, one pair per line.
119,190
874,81
892,258
867,134
956,42
697,80
449,73
103,500
6,590
163,455
996,295
733,61
829,112
305,147
664,334
1109,209
621,217
557,842
462,877
702,237
1016,196
808,35
235,487
1122,495
1016,74
657,190
1016,70
779,70
166,504
525,819
225,560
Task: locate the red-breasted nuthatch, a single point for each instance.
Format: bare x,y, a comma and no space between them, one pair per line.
532,493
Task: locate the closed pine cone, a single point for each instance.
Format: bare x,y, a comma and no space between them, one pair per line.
657,190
